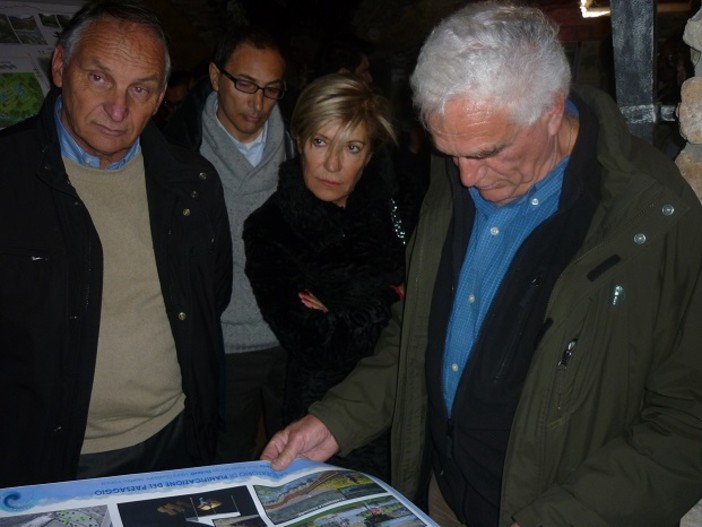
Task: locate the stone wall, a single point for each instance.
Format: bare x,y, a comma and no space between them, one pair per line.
689,161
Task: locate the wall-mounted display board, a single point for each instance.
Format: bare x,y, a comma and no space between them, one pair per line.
28,32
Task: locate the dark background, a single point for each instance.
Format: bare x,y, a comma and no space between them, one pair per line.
395,30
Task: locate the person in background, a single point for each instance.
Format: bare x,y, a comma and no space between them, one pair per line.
336,54
544,368
115,265
179,84
325,253
344,54
233,121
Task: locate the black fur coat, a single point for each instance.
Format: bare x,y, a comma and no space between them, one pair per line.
349,258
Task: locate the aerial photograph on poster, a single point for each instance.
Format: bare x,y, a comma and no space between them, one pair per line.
20,94
79,517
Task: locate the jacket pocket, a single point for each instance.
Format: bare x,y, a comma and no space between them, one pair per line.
590,396
595,354
26,277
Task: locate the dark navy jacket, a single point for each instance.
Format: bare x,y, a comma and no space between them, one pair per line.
51,289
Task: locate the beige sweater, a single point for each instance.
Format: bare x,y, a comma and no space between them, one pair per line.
137,387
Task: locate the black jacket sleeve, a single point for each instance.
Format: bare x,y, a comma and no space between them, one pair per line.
358,304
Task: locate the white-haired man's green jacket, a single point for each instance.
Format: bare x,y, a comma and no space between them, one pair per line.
614,438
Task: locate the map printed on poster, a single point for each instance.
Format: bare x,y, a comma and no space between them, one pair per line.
28,33
21,92
307,494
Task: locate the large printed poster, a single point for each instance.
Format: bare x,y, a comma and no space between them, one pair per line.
28,32
307,494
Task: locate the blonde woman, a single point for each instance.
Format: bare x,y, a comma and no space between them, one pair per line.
325,253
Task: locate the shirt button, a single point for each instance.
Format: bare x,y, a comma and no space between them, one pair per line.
454,367
182,316
202,176
535,202
471,298
494,231
186,212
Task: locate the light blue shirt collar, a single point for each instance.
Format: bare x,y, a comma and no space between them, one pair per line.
73,151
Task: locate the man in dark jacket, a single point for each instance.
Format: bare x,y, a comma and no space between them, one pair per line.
115,265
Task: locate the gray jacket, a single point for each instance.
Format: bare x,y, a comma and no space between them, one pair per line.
246,187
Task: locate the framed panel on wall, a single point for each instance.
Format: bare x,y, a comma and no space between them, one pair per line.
28,33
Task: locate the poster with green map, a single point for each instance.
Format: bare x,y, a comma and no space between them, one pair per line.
20,97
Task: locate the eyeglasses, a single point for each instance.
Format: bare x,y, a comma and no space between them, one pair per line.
250,87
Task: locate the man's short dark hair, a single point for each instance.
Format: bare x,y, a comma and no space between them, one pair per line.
134,11
257,37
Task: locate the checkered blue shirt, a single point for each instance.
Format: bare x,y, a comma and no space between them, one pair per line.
497,234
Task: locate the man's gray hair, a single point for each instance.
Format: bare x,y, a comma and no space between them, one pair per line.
134,11
496,53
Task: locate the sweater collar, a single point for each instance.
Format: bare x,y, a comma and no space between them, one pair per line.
220,140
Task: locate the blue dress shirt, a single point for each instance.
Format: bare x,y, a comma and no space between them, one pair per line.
73,151
497,234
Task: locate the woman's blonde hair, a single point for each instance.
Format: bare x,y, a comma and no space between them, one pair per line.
344,99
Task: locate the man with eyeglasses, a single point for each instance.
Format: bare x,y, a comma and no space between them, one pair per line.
232,119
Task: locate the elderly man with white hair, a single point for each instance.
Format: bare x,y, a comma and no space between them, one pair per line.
544,367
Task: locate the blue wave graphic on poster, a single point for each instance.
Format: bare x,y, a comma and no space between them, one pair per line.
15,501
